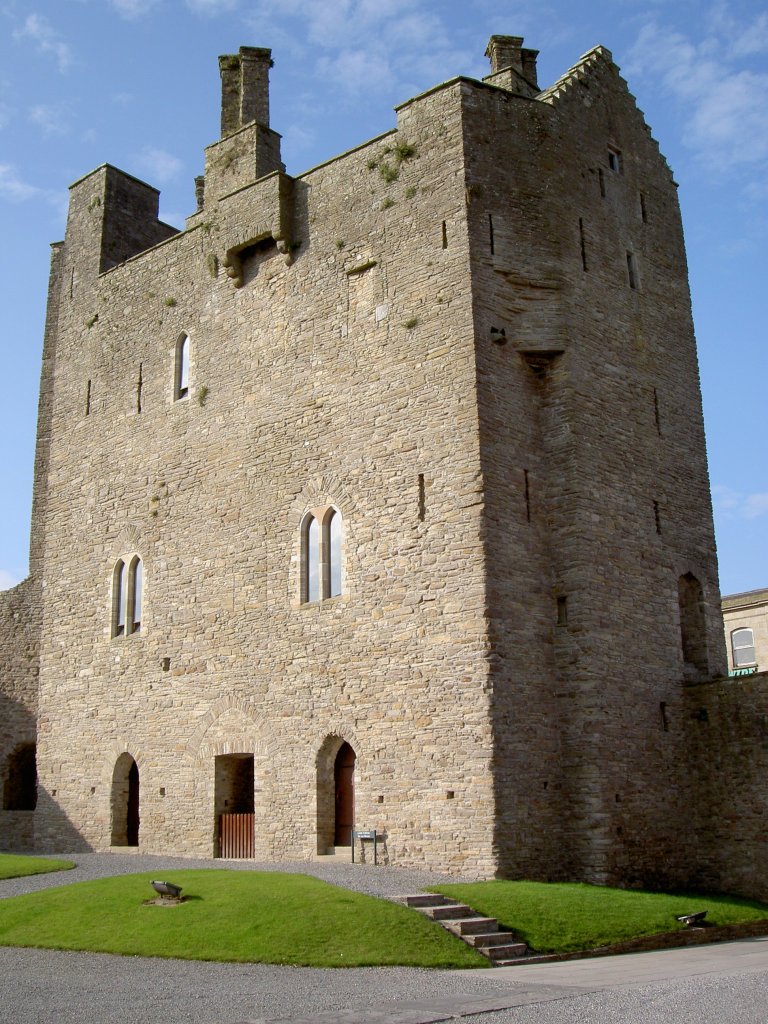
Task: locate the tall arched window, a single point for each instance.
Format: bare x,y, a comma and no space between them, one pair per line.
334,553
135,593
321,554
314,573
743,647
127,596
181,371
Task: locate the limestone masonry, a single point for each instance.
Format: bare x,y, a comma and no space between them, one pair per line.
377,499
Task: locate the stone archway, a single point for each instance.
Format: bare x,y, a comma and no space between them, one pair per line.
124,802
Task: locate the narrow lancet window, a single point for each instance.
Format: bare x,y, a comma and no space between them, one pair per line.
136,581
334,545
120,587
313,560
182,367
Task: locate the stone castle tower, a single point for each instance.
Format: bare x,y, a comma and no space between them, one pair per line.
376,498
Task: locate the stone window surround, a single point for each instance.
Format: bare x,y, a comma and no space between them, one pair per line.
323,514
127,598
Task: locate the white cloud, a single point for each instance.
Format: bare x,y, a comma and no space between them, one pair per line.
8,579
726,118
364,47
161,166
47,39
133,8
735,504
211,7
755,505
13,188
51,120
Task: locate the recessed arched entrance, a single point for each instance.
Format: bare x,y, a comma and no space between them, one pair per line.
344,789
125,802
335,807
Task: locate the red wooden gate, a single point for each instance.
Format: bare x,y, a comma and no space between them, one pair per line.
236,836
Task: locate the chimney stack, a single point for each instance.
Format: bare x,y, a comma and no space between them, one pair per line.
244,88
508,52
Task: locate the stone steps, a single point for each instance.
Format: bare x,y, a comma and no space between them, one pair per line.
482,933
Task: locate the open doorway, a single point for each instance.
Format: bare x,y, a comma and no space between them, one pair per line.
125,802
234,805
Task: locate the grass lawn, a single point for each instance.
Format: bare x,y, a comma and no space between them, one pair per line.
563,918
13,865
248,916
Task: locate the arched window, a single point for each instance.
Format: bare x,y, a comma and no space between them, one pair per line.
119,598
314,573
181,371
743,647
135,593
334,553
127,597
321,554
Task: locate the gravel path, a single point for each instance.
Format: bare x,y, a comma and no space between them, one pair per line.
386,882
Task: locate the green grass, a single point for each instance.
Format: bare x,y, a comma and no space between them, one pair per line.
14,865
563,918
244,916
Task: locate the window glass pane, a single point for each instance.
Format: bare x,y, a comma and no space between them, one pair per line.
184,367
313,561
335,559
121,585
138,592
743,645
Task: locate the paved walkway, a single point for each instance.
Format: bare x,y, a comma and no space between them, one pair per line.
47,986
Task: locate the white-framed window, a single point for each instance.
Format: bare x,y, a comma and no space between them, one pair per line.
181,369
614,159
321,554
127,596
743,647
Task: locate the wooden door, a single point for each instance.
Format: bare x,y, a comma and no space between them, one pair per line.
344,781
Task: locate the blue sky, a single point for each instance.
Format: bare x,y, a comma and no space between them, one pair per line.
135,83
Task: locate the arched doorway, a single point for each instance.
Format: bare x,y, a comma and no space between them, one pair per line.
125,802
344,789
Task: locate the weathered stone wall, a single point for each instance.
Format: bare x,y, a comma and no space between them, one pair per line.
337,379
726,738
595,475
19,631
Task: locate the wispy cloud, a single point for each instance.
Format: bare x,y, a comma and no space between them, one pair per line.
12,187
47,40
162,167
8,579
211,7
133,8
726,118
363,46
50,119
737,505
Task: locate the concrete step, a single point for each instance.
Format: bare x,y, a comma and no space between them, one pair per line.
449,912
468,926
510,952
490,939
426,899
